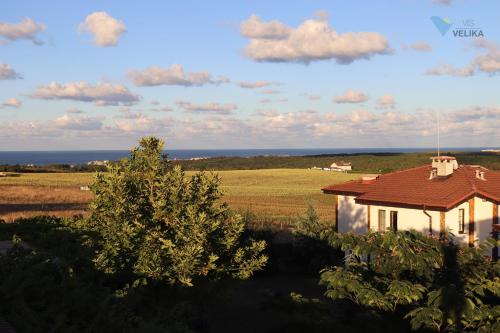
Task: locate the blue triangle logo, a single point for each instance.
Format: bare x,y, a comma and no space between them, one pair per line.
443,25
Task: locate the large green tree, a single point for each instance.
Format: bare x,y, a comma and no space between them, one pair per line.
156,223
436,284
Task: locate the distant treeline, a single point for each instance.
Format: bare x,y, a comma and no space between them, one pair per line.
52,168
376,162
367,163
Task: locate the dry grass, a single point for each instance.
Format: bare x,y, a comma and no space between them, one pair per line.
274,194
26,201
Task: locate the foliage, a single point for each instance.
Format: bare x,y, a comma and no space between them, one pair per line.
51,285
156,224
437,285
361,162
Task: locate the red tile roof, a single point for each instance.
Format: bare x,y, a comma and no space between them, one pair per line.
413,188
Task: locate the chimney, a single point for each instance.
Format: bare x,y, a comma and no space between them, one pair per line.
480,174
444,165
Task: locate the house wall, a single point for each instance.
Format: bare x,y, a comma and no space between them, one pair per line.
354,218
351,216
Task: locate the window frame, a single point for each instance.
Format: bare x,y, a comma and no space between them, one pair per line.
382,212
393,220
461,221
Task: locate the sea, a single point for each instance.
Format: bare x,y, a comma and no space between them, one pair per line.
85,156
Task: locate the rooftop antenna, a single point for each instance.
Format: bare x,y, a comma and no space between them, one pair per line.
439,150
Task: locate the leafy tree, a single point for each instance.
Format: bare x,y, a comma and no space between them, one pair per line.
157,224
436,284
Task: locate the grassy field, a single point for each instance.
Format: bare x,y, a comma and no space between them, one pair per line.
274,195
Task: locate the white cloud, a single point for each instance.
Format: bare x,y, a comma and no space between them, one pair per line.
254,27
8,73
253,85
351,96
101,94
217,108
26,29
105,29
418,46
174,75
11,103
312,40
79,123
487,62
447,69
386,101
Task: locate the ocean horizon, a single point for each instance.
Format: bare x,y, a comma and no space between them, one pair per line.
85,156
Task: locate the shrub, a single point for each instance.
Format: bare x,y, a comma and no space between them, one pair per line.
156,224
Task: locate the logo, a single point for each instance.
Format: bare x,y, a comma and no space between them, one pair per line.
443,25
468,28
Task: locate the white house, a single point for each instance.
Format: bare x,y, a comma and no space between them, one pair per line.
341,166
462,199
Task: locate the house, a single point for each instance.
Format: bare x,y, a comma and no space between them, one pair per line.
462,199
341,166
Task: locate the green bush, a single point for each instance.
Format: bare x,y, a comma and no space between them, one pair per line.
155,224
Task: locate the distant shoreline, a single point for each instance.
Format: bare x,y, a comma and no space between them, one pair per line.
83,157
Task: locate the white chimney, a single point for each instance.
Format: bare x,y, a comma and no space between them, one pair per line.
444,165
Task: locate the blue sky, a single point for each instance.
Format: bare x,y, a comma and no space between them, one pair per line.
362,74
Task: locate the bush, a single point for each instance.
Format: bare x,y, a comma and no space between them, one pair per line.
155,224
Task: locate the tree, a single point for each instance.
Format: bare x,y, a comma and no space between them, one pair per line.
436,284
156,223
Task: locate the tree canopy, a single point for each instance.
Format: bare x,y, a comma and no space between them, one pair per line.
436,284
157,224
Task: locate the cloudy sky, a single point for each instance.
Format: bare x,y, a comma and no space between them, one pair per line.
248,74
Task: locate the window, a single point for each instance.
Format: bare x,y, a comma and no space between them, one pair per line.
394,220
461,221
381,220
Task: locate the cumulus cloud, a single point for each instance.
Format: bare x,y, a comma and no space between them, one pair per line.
79,123
8,73
105,29
351,96
217,108
487,62
173,76
418,46
253,85
11,103
26,29
101,94
447,69
254,27
312,40
386,101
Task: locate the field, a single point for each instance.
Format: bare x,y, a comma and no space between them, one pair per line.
272,195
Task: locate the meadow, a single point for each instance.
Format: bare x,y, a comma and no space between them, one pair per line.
268,195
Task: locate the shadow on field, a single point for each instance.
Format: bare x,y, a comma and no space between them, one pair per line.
46,207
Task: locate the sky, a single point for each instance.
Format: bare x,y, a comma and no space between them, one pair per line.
249,74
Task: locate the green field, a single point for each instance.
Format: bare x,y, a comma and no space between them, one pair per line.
274,195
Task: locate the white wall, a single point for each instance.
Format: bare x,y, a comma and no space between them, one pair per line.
351,216
408,219
354,218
